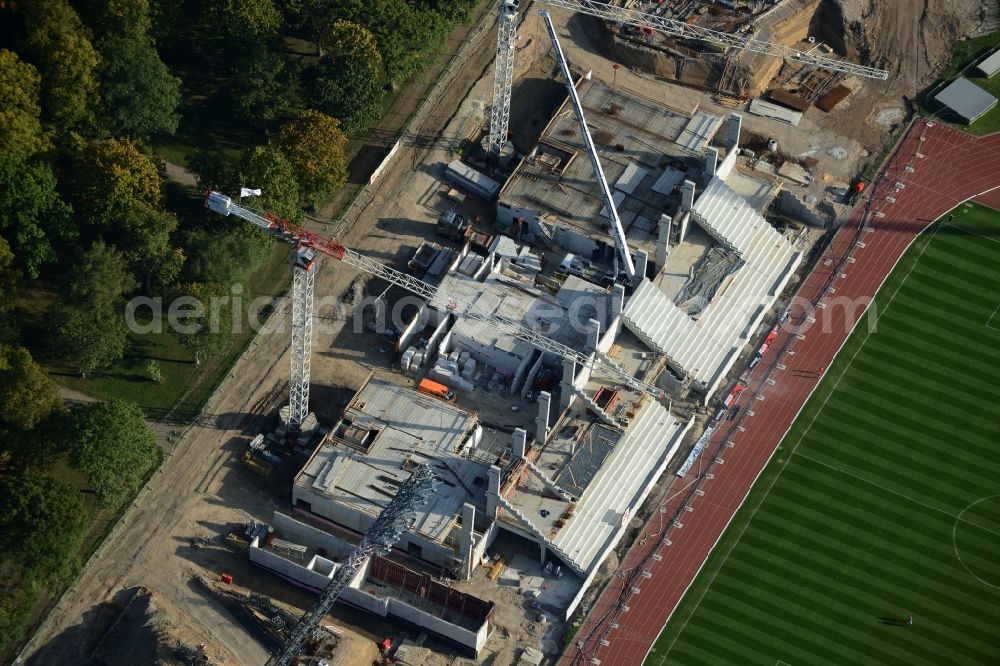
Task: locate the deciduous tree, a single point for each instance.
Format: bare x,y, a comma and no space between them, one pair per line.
267,168
113,175
111,443
346,87
20,129
243,21
138,92
33,217
58,44
314,144
89,329
347,38
261,88
204,327
27,393
41,524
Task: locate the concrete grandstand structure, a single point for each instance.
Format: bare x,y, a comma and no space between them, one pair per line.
546,456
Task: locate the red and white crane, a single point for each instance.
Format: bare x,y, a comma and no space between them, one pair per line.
308,244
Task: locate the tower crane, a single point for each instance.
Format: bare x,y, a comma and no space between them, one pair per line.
387,529
308,244
503,75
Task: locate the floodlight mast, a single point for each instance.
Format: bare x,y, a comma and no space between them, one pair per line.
609,203
302,238
506,36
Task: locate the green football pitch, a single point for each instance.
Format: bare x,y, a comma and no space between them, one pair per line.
884,499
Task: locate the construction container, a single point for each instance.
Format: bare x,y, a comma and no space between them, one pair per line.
226,578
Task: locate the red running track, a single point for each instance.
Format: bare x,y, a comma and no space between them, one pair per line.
938,168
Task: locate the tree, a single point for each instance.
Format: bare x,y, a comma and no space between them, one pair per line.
111,443
100,279
20,129
216,169
346,87
27,393
42,521
263,79
59,45
224,256
204,328
112,176
314,144
89,329
88,340
10,278
118,190
346,38
153,371
268,169
139,95
33,217
243,21
408,37
116,18
143,233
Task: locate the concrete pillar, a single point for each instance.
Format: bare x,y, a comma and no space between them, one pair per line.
711,163
682,218
641,260
687,195
468,521
542,420
617,300
519,442
593,334
567,397
735,125
493,492
662,242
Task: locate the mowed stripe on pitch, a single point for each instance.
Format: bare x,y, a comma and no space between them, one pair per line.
864,520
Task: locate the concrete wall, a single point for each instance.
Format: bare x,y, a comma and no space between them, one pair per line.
270,560
416,325
389,607
289,529
791,205
532,374
726,166
326,508
382,607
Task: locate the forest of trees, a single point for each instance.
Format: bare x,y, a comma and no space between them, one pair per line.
263,93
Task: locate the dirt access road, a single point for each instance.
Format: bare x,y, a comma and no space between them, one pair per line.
201,488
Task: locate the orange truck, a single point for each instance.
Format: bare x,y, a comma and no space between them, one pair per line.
437,390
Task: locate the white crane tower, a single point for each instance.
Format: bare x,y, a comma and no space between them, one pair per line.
309,244
503,77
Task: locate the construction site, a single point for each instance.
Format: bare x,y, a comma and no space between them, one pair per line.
478,390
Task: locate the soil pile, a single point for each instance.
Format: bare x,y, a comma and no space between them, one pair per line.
148,631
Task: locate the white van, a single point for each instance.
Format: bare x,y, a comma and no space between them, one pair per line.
572,265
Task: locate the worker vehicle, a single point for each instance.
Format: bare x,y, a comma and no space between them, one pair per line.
431,387
452,225
572,265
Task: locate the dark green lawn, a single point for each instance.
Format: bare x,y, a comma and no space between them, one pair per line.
884,498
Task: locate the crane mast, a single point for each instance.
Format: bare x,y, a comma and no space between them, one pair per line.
504,74
387,529
302,238
588,141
